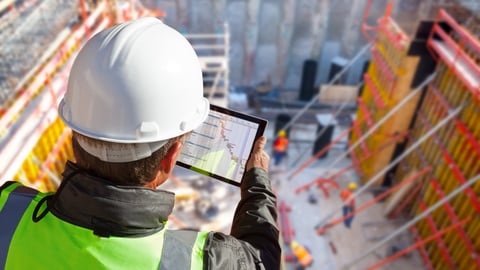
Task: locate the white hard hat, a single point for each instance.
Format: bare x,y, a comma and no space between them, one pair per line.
138,82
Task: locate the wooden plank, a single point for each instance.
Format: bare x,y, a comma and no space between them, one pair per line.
400,121
338,94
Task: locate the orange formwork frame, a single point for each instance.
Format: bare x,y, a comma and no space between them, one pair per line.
455,50
393,163
453,151
421,249
388,82
441,50
449,160
449,209
367,134
422,215
370,131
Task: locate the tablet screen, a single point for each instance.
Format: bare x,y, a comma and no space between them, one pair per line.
221,145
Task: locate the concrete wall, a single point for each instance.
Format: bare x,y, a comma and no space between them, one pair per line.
274,37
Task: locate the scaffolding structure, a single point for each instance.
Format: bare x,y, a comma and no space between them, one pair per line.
38,159
213,53
447,235
453,152
442,131
387,82
447,238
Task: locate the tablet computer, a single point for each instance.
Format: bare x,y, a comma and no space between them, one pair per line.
221,145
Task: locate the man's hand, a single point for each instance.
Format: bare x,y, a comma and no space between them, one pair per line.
259,158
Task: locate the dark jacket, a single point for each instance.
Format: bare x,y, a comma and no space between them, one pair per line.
110,210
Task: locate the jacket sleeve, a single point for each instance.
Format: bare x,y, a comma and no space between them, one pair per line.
253,241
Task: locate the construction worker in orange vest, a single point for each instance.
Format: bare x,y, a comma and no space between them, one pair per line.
302,255
349,207
280,146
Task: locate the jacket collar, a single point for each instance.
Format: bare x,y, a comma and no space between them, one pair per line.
107,209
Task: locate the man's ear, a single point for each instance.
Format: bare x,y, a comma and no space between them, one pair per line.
168,162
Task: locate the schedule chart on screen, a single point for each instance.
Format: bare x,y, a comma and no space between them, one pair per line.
221,145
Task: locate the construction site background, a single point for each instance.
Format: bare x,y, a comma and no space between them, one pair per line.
399,116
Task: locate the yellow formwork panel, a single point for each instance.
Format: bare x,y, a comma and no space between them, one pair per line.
392,55
452,241
380,46
473,230
380,87
463,206
51,151
429,149
445,177
30,168
440,217
423,229
452,145
471,117
459,254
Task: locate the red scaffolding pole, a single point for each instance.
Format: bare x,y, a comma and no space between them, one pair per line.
441,244
285,225
451,214
413,194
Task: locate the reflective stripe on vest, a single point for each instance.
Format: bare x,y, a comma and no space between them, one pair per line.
169,249
183,250
15,205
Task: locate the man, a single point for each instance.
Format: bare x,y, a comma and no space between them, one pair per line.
134,92
349,207
280,146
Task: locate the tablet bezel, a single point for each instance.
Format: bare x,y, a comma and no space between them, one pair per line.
262,125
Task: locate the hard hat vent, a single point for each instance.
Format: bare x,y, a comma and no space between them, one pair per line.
148,129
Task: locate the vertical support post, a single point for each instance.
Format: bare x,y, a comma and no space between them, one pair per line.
251,38
319,26
284,39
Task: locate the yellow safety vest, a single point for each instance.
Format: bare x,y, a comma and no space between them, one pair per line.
31,241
